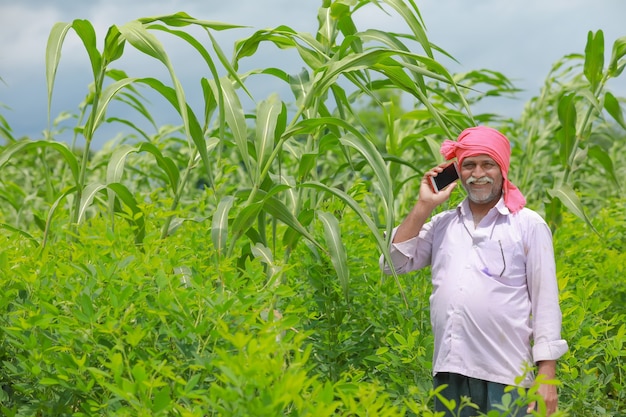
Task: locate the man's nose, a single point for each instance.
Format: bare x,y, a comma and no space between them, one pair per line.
478,172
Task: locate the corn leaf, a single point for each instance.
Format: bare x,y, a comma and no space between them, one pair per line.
129,200
219,224
568,197
236,120
594,58
53,56
336,249
378,237
616,65
85,31
613,107
269,126
567,133
26,145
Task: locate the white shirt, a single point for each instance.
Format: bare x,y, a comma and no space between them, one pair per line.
494,306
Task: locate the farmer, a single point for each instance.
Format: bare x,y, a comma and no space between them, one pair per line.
494,305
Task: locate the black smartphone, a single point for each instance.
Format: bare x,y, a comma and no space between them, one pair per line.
445,177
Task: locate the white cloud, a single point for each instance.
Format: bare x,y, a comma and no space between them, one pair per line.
24,35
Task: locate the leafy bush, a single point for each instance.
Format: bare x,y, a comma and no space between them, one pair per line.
228,266
592,268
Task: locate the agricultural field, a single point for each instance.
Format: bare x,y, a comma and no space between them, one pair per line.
228,266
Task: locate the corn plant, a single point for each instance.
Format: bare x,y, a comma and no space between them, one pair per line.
284,155
566,131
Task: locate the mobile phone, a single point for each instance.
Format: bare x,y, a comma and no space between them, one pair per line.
445,177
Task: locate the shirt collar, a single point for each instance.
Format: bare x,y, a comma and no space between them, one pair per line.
463,208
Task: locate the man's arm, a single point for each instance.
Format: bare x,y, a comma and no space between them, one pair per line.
544,293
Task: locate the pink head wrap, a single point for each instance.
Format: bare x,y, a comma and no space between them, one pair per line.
485,140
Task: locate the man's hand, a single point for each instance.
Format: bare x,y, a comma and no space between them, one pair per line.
430,197
547,391
427,201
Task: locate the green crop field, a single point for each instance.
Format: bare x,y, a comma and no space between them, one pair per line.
228,266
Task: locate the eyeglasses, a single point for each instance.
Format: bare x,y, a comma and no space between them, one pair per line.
503,258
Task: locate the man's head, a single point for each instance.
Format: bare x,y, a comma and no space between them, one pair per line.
486,142
482,178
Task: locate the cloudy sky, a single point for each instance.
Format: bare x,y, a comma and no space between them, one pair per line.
520,38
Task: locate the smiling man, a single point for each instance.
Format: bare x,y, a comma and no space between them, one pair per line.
494,304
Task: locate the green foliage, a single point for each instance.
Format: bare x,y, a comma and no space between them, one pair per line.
229,265
572,129
593,298
106,328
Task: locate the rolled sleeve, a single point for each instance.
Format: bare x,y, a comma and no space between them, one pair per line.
406,256
400,255
549,350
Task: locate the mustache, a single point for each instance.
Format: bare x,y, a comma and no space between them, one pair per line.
472,180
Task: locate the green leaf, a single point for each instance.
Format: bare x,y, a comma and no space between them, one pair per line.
53,56
291,236
193,128
87,34
183,19
268,129
616,66
359,142
115,167
613,107
263,253
20,232
567,133
307,162
137,35
594,58
378,237
277,208
198,46
129,200
244,220
103,103
247,47
162,400
88,194
165,163
300,85
568,197
219,225
336,249
605,160
25,145
414,20
53,207
113,45
235,118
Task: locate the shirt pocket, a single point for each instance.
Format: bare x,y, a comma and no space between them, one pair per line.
502,261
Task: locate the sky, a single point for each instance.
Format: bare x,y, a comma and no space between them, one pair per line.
520,38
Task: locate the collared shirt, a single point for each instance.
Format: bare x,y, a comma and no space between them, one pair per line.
494,304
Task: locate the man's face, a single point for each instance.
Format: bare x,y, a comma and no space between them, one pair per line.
482,178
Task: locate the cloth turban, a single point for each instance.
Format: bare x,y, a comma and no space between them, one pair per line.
485,140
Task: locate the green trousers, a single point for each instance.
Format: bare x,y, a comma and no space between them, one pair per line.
484,394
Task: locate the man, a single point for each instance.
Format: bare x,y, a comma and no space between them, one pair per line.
494,304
